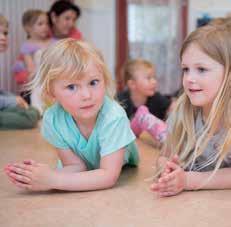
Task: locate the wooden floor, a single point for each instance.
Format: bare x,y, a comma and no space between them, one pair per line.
129,204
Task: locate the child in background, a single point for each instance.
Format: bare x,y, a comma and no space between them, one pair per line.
145,107
14,111
198,147
35,23
90,131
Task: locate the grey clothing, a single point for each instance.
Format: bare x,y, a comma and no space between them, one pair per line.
15,117
207,157
7,100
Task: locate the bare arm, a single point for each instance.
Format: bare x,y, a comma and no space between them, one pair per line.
40,177
71,162
174,180
221,180
29,63
104,177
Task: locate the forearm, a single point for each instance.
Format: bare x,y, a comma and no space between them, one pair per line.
73,168
198,180
87,180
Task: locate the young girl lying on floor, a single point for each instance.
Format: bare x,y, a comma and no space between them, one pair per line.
90,131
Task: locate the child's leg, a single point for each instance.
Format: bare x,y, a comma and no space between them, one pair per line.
148,122
135,122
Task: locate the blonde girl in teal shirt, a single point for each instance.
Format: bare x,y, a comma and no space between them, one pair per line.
89,130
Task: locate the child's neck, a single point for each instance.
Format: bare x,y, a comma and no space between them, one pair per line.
39,40
86,127
138,99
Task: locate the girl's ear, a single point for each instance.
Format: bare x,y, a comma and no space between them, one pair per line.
131,84
53,18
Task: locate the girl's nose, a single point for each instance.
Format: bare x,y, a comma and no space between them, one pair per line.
191,78
85,93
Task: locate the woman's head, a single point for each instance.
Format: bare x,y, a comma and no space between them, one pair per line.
35,23
139,77
70,59
3,33
62,17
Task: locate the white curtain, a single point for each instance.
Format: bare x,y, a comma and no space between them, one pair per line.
154,33
13,10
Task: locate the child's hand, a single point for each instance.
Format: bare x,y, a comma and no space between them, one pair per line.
171,183
21,102
31,175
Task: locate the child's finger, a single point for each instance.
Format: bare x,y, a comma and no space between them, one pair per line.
167,178
154,187
166,194
19,177
176,159
21,166
173,166
22,185
29,162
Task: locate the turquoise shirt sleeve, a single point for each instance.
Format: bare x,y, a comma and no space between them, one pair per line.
114,135
51,129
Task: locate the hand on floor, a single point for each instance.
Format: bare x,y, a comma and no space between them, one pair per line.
31,175
172,180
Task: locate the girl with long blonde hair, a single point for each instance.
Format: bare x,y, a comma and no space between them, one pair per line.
197,153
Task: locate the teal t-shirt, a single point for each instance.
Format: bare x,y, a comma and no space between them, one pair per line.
111,132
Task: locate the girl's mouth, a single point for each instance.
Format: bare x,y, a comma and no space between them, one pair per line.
195,90
86,107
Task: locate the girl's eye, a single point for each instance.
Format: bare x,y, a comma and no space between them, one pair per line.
71,87
5,33
151,78
185,70
94,82
201,69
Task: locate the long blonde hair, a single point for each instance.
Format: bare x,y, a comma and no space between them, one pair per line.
68,57
214,40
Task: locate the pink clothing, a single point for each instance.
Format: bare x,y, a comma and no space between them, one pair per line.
19,69
145,121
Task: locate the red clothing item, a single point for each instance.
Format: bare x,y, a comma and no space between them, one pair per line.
76,34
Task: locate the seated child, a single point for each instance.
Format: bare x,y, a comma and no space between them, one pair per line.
14,111
198,147
90,131
35,23
145,107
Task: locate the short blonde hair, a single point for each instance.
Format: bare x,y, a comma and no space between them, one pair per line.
131,66
69,57
3,21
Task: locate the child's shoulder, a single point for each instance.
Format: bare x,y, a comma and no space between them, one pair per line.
29,48
112,109
53,112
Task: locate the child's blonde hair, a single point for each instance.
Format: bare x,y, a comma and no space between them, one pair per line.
214,40
71,58
3,21
131,66
30,17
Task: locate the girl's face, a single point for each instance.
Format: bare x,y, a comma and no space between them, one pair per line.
202,77
64,23
82,98
144,82
3,38
40,29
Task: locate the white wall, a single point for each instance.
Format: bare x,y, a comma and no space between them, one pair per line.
215,8
97,24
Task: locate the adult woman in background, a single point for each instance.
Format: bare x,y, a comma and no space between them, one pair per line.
62,18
